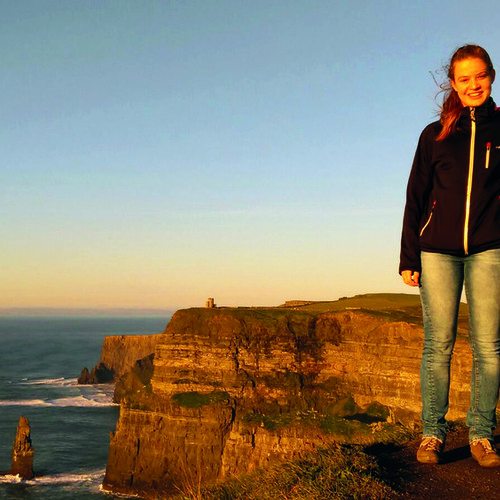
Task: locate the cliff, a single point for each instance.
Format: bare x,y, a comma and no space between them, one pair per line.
119,355
235,389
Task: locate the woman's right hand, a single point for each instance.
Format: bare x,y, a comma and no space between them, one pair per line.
411,278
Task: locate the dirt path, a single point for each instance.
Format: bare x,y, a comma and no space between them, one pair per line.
458,477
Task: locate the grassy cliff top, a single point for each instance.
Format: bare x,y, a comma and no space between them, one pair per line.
369,301
397,306
392,306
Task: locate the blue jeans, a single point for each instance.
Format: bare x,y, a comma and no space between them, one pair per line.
442,280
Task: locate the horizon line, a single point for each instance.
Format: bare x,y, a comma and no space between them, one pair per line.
86,311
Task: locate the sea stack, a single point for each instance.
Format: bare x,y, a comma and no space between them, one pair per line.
23,451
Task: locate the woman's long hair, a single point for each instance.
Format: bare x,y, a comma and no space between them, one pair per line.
452,106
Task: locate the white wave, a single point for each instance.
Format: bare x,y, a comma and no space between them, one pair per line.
66,478
58,479
99,395
77,401
9,478
98,399
24,402
54,382
115,494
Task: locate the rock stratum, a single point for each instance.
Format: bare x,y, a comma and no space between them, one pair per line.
224,391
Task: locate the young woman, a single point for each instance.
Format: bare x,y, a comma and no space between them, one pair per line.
451,238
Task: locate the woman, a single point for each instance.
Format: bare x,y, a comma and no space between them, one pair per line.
451,238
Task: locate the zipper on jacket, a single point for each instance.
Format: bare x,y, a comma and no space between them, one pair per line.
429,219
488,150
469,179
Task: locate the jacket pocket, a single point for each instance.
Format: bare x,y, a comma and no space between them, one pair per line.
424,227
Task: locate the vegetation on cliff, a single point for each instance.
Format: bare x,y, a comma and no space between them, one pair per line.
386,471
334,472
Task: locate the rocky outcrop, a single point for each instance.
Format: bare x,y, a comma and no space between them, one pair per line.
236,389
23,451
100,374
119,356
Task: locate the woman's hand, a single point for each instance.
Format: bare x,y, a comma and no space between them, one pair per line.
411,278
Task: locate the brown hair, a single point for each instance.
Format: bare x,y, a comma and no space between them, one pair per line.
452,106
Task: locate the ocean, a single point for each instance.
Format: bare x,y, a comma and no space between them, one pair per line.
40,360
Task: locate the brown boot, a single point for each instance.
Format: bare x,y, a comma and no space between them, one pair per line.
430,451
484,453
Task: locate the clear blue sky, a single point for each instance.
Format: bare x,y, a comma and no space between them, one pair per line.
156,153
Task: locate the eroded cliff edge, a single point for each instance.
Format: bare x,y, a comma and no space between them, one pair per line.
236,388
125,360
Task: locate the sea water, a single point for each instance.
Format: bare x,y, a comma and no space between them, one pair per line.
40,360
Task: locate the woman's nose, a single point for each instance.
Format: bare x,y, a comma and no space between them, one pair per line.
474,83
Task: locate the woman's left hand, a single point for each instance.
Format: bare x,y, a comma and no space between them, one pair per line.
411,278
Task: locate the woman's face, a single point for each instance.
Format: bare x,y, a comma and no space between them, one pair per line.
472,81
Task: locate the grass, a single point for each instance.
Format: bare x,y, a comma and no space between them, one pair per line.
269,422
392,306
195,399
335,472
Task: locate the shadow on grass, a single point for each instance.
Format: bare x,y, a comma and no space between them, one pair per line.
394,470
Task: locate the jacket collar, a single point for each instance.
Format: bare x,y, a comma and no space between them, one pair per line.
485,110
481,113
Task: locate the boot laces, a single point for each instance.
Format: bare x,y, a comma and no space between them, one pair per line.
431,444
486,445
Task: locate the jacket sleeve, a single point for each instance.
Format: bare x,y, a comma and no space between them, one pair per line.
418,192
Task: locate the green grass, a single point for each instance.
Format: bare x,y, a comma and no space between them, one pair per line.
335,472
392,306
269,422
368,301
195,399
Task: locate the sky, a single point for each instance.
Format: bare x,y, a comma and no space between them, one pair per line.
157,153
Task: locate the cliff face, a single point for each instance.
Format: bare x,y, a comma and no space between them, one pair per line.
120,352
233,389
119,355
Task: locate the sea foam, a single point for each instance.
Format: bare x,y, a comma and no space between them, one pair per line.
76,401
54,382
95,476
100,395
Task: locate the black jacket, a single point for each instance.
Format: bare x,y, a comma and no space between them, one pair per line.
453,194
